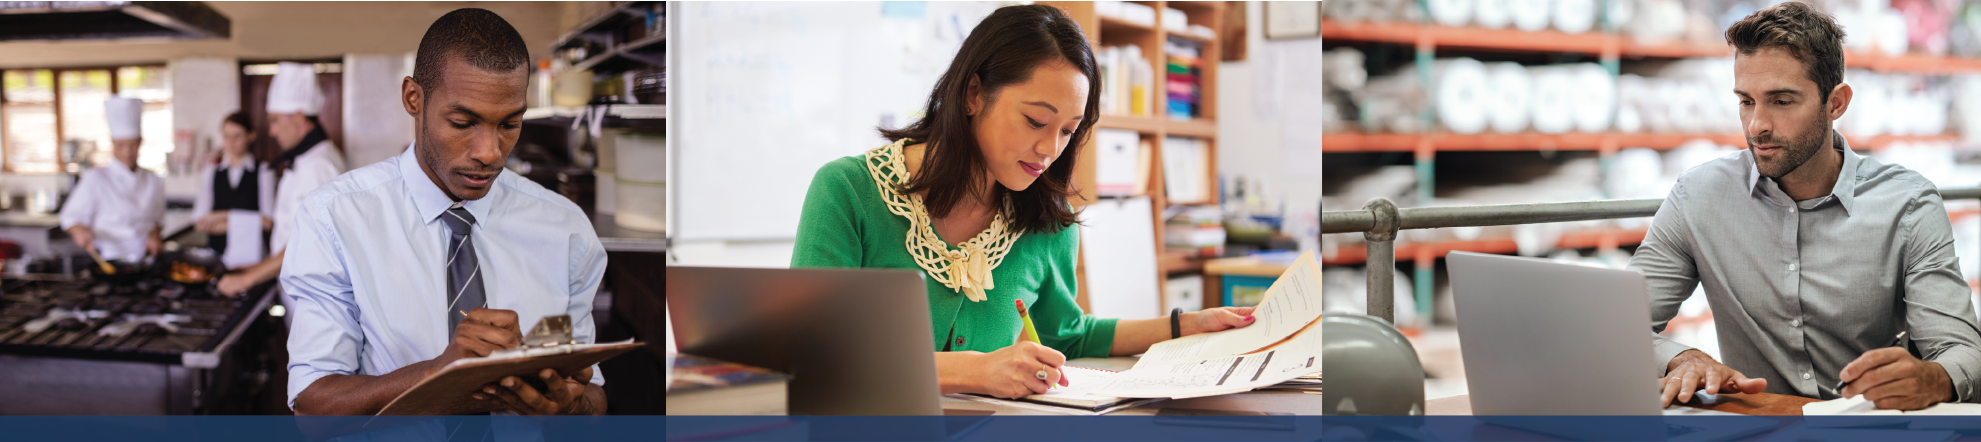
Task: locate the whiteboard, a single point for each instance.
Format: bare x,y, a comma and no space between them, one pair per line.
761,94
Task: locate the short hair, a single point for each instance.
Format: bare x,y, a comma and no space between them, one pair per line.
1809,35
478,36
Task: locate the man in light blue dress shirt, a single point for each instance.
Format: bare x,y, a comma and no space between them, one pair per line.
1814,259
403,266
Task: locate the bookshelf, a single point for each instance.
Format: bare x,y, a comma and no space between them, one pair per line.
1109,31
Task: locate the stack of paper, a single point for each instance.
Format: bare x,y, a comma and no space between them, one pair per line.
1282,345
1075,398
1858,406
1305,384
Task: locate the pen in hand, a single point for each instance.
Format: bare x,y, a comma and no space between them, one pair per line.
1896,340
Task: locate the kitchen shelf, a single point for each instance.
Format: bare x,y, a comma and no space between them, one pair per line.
598,28
624,111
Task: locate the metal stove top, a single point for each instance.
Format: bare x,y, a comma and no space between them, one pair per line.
151,320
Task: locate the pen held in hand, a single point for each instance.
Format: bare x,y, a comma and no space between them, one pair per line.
1896,340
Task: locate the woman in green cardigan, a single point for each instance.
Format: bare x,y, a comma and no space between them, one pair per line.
974,195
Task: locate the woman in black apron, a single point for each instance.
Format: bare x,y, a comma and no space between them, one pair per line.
236,181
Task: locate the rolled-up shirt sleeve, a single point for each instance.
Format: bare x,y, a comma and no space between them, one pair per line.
1937,307
325,338
1670,275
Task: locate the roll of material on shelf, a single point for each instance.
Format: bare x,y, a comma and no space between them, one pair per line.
1509,96
1620,12
1392,103
1696,95
1343,68
1966,107
1531,15
1574,16
1634,173
1891,30
1657,22
1493,14
1858,34
1450,12
1632,95
1926,22
1553,102
1869,104
1685,108
1596,103
1460,95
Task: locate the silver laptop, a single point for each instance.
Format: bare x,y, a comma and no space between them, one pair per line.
855,342
1542,338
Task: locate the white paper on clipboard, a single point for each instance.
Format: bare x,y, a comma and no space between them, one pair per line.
243,239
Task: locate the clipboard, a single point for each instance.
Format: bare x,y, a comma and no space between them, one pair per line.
450,391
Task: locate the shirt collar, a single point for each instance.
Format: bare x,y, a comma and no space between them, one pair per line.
429,200
1845,187
123,170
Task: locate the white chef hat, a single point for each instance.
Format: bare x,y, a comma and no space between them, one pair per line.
123,114
294,90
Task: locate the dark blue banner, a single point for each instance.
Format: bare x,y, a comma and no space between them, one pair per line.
1316,428
328,428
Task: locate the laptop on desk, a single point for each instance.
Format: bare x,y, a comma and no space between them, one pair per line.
855,342
1542,338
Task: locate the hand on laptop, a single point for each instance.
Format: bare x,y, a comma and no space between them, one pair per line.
1894,380
1692,370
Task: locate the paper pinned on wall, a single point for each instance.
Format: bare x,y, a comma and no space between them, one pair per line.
1121,264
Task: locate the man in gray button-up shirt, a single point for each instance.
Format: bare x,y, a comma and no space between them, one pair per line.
1813,258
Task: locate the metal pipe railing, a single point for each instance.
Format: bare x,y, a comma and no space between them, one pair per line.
1379,220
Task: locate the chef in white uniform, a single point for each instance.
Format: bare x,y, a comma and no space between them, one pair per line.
116,208
309,159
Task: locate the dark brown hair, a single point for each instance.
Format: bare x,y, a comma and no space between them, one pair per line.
240,119
1809,35
1002,50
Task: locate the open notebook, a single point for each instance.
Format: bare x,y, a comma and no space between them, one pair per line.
1078,396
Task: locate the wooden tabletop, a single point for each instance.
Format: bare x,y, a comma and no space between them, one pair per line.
1758,404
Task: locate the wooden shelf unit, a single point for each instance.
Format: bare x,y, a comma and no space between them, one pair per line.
1108,31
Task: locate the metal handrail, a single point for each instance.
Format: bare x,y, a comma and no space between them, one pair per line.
1380,219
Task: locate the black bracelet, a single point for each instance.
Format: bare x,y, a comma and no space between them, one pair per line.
1175,324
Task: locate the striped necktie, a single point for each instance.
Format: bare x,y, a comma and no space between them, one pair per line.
464,290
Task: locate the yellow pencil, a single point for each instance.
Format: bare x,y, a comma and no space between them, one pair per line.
1026,319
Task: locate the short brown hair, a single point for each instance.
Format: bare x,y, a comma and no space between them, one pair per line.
1807,34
